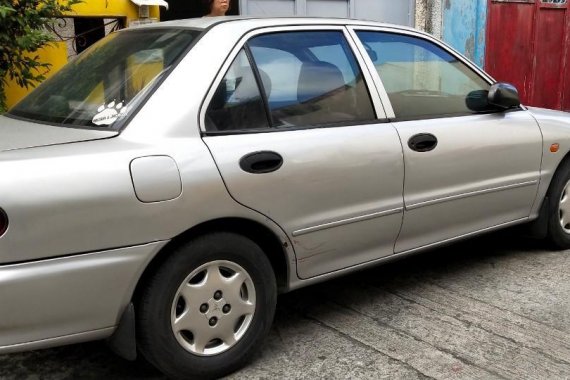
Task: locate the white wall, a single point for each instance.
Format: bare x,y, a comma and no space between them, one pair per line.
392,11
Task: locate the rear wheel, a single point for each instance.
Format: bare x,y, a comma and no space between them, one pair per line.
559,208
207,307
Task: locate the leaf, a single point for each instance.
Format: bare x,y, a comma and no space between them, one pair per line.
5,11
23,31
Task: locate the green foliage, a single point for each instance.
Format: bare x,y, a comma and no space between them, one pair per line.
23,30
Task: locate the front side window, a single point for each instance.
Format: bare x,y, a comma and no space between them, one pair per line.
423,80
107,81
310,78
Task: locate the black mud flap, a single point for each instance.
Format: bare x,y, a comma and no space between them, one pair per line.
538,228
123,341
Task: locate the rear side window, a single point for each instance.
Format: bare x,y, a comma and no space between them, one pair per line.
237,103
422,79
310,78
108,81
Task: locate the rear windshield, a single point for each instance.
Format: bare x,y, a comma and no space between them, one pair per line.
105,83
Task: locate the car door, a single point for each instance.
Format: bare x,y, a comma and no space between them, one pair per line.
468,167
310,149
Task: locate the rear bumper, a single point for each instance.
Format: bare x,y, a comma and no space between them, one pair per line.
70,299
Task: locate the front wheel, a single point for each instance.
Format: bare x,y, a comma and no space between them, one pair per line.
559,208
207,307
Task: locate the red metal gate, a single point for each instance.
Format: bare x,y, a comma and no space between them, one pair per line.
528,44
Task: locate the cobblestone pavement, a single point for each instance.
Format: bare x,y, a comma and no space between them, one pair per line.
493,307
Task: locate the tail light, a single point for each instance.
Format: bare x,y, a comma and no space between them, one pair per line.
3,222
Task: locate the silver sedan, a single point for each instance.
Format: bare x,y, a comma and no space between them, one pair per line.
161,189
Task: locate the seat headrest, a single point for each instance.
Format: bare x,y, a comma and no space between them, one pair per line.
318,78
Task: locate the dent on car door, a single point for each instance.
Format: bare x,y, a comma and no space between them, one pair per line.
468,167
306,149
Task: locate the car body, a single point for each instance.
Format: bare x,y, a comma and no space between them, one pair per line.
330,144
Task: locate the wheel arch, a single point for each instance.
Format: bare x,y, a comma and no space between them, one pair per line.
565,160
537,228
268,241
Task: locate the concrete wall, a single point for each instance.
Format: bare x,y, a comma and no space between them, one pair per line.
464,25
429,16
460,23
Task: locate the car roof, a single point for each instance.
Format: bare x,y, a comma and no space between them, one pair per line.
252,22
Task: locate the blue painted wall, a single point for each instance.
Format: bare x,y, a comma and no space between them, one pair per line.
464,24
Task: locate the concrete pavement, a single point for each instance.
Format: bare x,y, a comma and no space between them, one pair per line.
493,307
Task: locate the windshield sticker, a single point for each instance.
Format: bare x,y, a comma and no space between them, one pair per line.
108,114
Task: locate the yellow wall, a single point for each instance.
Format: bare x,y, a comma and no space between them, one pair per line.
56,53
115,8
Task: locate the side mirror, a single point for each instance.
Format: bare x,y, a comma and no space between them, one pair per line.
504,95
478,101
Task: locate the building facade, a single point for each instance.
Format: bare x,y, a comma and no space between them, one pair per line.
524,42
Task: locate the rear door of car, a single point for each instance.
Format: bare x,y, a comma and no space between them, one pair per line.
468,168
311,148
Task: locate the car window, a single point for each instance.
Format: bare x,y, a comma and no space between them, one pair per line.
312,78
237,102
335,54
283,69
105,83
423,80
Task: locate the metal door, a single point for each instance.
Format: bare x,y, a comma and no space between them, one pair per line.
528,44
464,172
337,192
483,173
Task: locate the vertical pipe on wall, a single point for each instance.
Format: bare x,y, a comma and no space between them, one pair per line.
480,32
300,8
412,14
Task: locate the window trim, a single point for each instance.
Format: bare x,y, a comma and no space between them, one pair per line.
259,82
453,115
376,80
353,29
377,106
340,124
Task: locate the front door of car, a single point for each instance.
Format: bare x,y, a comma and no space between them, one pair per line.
468,167
309,148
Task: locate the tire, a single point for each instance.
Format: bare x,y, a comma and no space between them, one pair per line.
558,208
186,328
